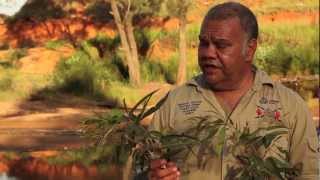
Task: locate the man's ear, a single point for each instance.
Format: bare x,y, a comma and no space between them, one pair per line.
251,49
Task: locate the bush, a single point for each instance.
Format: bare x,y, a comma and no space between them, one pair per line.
294,54
6,82
13,56
55,44
99,12
193,32
171,68
119,68
277,60
152,71
80,75
90,50
105,45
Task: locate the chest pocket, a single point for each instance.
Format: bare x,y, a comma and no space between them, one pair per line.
188,114
269,114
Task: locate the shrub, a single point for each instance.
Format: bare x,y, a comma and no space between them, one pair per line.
105,45
283,54
152,71
90,50
55,44
277,60
171,68
6,82
81,75
118,66
13,56
193,32
98,11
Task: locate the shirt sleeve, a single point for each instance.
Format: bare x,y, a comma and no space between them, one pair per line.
304,143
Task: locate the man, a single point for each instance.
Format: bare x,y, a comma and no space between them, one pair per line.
232,89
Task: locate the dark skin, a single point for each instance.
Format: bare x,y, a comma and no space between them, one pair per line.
225,57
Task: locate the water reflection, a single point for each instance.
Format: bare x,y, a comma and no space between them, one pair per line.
4,176
38,169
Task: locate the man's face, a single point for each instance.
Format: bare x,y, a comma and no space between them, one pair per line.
223,53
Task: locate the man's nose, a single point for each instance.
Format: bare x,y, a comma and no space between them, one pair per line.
208,52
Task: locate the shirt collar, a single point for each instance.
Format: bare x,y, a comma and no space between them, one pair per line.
261,79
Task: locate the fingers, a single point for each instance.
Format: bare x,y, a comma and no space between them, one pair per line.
158,163
161,173
163,170
171,164
172,176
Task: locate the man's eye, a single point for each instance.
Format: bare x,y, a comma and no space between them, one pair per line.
203,43
222,46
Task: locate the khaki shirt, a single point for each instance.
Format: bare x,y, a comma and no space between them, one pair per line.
266,103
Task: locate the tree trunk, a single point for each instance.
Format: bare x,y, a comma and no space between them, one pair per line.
121,26
134,51
182,70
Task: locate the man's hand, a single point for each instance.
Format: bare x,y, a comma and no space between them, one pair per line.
163,170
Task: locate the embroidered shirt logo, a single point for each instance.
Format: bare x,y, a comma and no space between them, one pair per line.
268,109
189,107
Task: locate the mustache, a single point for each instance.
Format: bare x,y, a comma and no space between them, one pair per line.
210,62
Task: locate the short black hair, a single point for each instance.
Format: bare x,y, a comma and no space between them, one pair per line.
227,10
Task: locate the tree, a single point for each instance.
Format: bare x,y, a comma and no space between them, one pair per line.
124,13
179,9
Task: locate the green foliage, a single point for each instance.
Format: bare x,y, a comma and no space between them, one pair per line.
171,67
278,61
152,71
255,165
294,54
119,90
17,54
140,8
15,85
12,57
6,82
178,8
81,75
124,129
97,155
144,38
54,44
99,12
193,31
90,50
119,68
170,37
105,45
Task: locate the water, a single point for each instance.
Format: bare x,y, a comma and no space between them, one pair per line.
4,176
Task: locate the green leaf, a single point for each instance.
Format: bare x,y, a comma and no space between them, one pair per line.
220,140
141,101
268,138
140,116
156,107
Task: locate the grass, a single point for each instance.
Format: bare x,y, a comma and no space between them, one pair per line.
54,44
295,54
81,75
123,90
15,85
